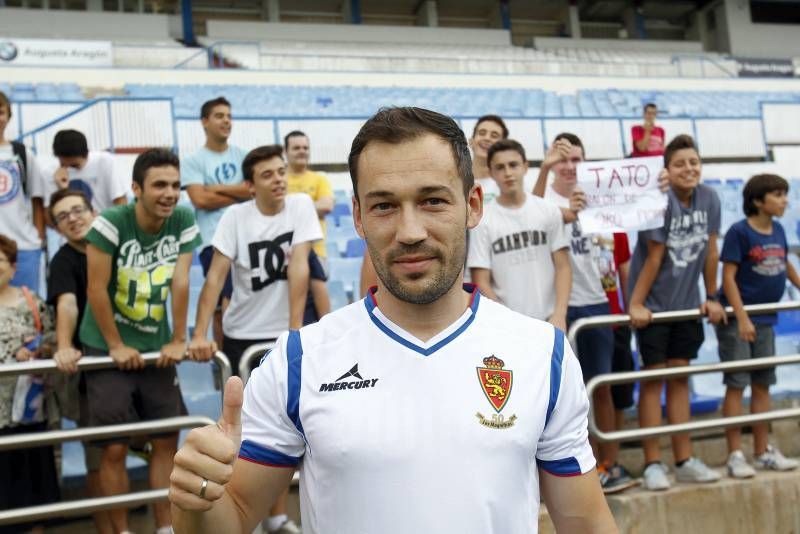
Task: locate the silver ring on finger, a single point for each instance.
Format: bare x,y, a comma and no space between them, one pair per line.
203,487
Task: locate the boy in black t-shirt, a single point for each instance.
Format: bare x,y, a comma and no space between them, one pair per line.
72,214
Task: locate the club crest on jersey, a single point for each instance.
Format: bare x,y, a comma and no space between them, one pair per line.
496,383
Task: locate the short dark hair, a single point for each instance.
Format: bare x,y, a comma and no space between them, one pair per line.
4,101
154,157
8,247
757,188
573,139
60,195
679,142
491,118
650,105
502,146
70,143
205,109
257,155
293,133
398,124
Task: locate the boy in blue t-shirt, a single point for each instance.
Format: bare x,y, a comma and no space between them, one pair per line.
754,272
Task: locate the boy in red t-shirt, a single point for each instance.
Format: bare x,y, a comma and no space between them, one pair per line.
648,139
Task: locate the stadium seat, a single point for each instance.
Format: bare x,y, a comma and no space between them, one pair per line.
332,249
337,294
347,271
340,210
355,248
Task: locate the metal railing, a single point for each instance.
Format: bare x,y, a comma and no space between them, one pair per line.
680,372
247,357
38,439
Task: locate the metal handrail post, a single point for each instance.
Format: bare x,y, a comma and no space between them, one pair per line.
671,316
51,437
679,372
248,355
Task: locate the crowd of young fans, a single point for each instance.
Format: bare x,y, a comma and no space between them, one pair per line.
258,227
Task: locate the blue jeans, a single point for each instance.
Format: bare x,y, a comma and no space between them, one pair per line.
29,270
595,348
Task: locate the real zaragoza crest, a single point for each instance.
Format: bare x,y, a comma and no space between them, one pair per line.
496,383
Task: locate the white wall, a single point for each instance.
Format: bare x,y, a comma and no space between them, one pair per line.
758,40
639,45
60,24
260,31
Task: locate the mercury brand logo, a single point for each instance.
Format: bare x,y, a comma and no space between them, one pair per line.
340,383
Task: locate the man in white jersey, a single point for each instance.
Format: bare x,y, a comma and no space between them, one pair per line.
423,407
519,255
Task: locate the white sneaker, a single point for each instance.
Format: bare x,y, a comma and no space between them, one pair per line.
694,470
773,460
655,477
288,527
738,466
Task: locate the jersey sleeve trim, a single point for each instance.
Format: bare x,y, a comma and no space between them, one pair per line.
253,452
566,467
556,359
294,358
106,229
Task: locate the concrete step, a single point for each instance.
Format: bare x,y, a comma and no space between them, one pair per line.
765,504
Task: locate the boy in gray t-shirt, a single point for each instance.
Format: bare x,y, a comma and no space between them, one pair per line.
665,269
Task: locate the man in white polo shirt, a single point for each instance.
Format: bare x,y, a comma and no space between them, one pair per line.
423,407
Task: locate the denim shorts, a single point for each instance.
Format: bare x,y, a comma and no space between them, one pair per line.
733,349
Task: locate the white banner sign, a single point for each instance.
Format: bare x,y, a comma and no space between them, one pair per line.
47,52
621,195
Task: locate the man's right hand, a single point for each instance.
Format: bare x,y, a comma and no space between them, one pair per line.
207,457
558,151
201,349
640,316
61,177
67,359
127,358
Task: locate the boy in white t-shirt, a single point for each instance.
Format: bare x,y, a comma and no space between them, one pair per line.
21,200
266,241
488,130
89,172
518,254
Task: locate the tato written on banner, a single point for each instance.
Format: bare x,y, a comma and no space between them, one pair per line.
621,195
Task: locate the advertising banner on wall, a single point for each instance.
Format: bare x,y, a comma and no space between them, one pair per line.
54,53
765,68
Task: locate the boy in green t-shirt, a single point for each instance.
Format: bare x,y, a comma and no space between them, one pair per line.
136,255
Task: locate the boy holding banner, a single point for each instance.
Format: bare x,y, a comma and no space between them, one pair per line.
588,298
518,255
664,275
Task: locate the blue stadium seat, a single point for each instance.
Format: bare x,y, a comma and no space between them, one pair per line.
347,271
340,210
355,248
332,249
337,294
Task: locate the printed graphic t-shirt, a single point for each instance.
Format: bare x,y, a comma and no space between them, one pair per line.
761,276
206,167
516,245
587,288
16,217
685,233
142,266
259,247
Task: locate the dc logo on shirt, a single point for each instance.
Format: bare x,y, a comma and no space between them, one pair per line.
268,257
225,172
9,181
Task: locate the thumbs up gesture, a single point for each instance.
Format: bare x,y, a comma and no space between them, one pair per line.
205,462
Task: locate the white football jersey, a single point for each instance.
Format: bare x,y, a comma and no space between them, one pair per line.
396,435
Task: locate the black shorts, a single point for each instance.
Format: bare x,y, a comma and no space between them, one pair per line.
670,341
234,348
115,396
205,257
622,394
